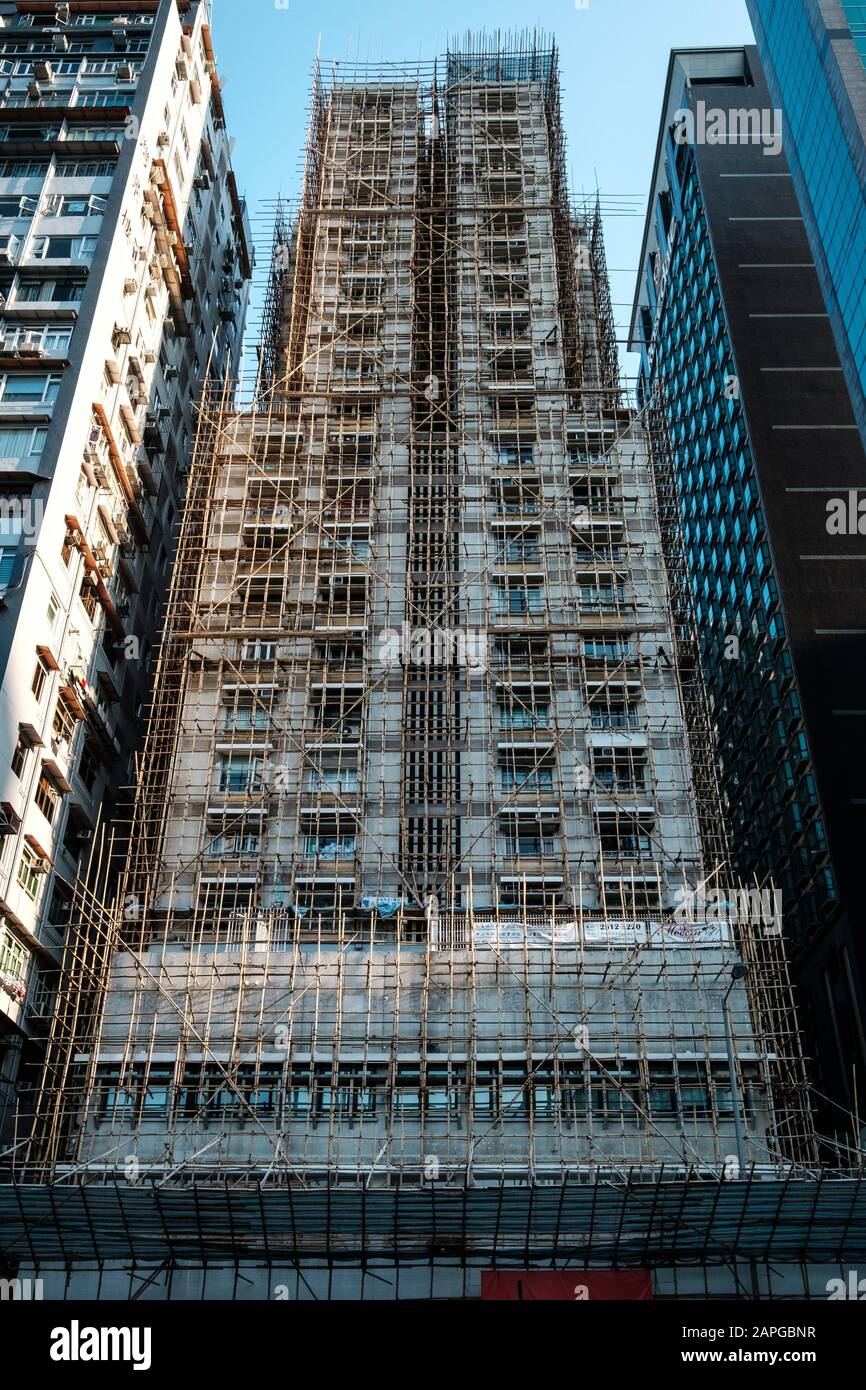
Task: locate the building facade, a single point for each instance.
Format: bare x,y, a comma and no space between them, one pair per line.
813,53
124,276
402,959
758,454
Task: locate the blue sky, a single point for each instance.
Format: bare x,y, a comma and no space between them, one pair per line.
614,56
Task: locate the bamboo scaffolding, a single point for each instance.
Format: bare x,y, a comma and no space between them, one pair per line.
311,969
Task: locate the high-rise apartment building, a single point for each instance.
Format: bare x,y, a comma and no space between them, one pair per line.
405,983
814,53
124,274
759,465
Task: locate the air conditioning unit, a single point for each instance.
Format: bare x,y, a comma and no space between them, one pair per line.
130,286
157,176
34,90
210,67
171,373
121,336
181,70
148,213
31,345
119,36
148,356
43,71
60,43
172,238
124,72
201,182
163,139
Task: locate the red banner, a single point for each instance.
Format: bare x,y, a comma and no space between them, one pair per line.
574,1286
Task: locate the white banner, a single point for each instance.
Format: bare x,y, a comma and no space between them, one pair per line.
610,932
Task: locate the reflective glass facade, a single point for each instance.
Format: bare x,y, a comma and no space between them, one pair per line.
856,17
767,778
824,102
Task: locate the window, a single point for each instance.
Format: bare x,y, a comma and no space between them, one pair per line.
258,651
17,206
240,774
247,718
87,594
238,846
27,388
630,897
70,205
522,774
86,770
85,169
613,715
49,291
524,716
29,872
14,956
23,168
332,777
620,769
19,757
521,600
330,845
63,248
626,837
47,798
21,443
606,649
530,846
8,556
40,675
63,723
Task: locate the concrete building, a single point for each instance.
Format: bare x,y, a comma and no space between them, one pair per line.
813,53
759,455
404,984
124,277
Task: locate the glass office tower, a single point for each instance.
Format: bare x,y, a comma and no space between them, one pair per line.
813,53
756,444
